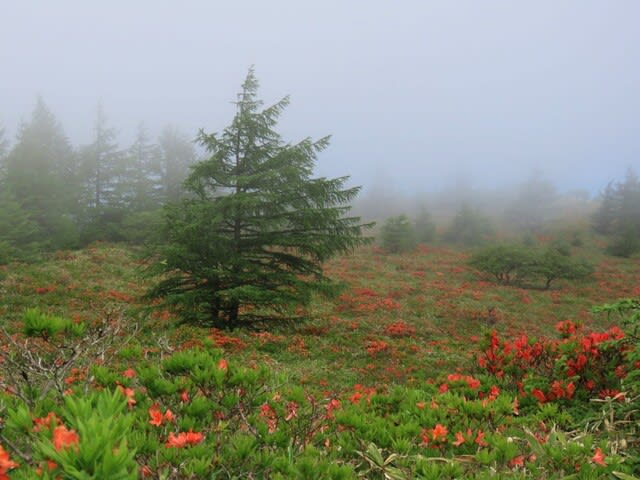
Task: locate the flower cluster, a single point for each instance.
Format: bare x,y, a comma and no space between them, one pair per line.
585,363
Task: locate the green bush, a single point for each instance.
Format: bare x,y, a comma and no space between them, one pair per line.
550,265
505,262
398,234
516,263
37,324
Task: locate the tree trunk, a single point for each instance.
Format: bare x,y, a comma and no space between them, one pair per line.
233,314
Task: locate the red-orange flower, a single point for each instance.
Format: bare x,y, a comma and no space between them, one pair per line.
184,439
156,415
6,464
480,439
63,438
51,466
494,392
439,433
459,439
129,393
46,422
331,406
598,458
539,394
169,416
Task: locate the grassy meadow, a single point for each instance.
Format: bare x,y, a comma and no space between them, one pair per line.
361,376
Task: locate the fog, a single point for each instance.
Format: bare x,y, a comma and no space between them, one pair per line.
417,94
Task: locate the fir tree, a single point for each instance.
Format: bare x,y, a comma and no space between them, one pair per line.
257,227
605,217
469,227
176,156
141,172
425,227
398,234
19,235
533,205
619,215
104,178
38,171
101,165
4,146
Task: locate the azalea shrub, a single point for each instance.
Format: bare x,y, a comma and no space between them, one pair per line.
578,364
583,371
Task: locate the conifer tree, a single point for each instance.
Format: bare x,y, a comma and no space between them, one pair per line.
619,215
103,175
533,205
605,217
141,172
176,156
37,177
101,165
425,227
4,146
17,231
19,235
257,227
398,234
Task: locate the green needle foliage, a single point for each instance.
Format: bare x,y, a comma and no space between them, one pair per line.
256,226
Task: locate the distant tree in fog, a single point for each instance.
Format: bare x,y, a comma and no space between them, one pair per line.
398,234
40,177
101,164
469,227
604,218
425,227
141,187
176,156
4,146
619,215
18,232
16,227
533,205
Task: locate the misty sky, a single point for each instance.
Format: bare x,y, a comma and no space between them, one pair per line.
418,92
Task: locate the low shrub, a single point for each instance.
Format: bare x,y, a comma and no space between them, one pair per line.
505,262
514,263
